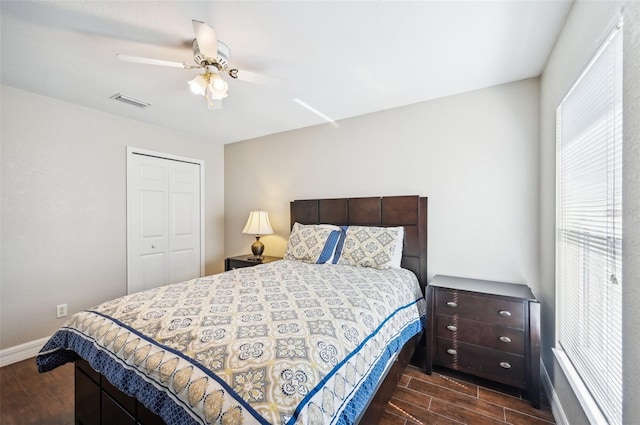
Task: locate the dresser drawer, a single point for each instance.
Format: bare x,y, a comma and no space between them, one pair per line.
492,364
481,333
480,308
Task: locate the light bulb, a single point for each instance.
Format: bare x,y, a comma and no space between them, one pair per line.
218,87
198,85
219,84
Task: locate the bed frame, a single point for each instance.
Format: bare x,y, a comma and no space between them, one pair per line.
99,402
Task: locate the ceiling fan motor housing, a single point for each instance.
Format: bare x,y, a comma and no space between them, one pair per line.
224,53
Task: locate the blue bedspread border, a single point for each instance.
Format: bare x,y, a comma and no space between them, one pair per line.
68,345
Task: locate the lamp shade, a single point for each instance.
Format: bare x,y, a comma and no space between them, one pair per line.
198,85
218,87
258,224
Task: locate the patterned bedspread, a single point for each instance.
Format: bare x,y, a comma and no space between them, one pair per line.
280,343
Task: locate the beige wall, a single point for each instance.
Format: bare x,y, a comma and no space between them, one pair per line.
475,156
584,31
64,207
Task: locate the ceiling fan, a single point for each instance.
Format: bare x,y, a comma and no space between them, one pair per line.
212,56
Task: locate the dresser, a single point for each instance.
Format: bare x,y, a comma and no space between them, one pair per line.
487,329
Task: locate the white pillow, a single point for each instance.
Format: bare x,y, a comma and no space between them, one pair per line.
377,247
312,243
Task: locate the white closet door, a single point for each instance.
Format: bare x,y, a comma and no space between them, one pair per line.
184,221
163,221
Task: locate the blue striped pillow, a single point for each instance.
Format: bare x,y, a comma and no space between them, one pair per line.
326,256
343,234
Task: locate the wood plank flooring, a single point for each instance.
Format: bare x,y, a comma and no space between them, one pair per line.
446,397
27,397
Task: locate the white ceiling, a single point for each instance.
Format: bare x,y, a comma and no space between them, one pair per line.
343,58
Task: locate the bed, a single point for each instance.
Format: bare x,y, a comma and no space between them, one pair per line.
302,343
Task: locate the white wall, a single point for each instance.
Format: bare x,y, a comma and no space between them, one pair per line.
584,31
475,156
64,207
631,215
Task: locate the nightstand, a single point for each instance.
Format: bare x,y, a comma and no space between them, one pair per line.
487,329
244,261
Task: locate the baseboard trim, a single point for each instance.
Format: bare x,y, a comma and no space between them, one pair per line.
554,400
21,352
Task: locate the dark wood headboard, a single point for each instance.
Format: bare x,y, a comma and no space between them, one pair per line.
407,211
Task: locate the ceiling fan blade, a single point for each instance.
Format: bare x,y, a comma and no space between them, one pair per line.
254,77
207,39
160,62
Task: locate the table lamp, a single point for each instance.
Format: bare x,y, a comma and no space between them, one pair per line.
258,225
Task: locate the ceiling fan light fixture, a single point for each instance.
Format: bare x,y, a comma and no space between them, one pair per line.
210,85
218,84
209,97
217,95
198,85
211,56
218,87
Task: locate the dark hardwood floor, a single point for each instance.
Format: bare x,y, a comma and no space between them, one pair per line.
446,397
27,397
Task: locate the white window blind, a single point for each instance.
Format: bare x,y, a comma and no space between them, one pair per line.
589,227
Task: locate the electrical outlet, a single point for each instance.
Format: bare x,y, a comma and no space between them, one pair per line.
61,310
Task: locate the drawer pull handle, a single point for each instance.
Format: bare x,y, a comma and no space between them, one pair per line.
454,352
505,313
452,304
505,365
452,328
505,339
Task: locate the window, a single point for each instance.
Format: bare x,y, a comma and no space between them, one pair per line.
589,230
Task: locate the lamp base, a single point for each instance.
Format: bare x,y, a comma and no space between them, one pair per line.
257,249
